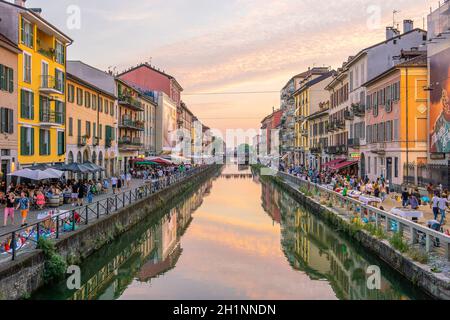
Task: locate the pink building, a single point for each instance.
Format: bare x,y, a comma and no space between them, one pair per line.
151,79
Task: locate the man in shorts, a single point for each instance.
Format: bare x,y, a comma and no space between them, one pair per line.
114,184
24,206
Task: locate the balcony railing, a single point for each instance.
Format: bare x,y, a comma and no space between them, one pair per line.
132,124
50,84
130,143
359,109
316,150
130,102
340,124
49,117
82,141
354,143
348,115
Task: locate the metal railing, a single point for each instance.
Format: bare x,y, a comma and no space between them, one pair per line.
412,232
25,239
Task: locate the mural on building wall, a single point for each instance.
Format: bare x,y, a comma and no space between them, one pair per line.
169,126
440,102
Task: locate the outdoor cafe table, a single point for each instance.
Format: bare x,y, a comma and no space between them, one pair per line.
407,213
369,199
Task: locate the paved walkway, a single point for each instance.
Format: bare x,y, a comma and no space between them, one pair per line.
32,216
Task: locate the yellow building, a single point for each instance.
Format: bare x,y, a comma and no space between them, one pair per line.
91,117
307,100
131,126
41,83
396,120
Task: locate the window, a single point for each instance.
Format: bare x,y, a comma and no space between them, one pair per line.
70,93
106,106
70,127
87,99
88,129
6,120
100,104
111,108
100,131
44,142
389,131
59,80
6,79
368,165
79,97
59,52
396,130
26,67
61,143
94,102
94,130
396,167
26,104
79,127
375,165
59,112
26,141
27,33
351,81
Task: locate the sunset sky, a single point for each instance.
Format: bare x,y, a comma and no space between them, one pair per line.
228,46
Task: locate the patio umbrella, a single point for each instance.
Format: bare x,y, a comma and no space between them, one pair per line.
40,166
159,160
93,167
55,173
36,175
75,167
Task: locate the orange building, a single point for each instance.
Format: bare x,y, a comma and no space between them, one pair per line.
396,119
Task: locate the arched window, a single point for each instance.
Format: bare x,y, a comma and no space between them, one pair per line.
70,157
79,159
94,157
100,159
85,156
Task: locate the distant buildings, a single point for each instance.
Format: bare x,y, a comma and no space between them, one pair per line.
384,113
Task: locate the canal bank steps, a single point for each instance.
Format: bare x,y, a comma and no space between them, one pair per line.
431,276
24,275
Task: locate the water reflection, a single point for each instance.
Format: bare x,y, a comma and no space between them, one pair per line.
312,246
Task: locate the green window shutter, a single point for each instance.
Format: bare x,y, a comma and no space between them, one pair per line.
23,141
32,106
10,121
3,120
41,142
22,103
11,80
32,142
2,76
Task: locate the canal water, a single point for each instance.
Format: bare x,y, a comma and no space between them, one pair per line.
236,237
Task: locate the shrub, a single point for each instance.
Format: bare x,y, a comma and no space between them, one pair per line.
398,243
55,266
54,269
375,231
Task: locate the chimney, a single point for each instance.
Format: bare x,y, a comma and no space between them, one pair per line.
408,25
20,3
391,32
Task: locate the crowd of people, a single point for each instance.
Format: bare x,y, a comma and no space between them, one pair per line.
347,180
31,195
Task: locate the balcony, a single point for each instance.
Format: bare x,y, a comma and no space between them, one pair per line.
340,124
378,148
130,102
316,150
82,141
130,144
358,109
332,150
348,115
51,85
342,149
354,143
51,118
127,123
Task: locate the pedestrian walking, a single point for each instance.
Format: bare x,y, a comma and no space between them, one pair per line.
24,206
443,203
9,209
114,184
435,205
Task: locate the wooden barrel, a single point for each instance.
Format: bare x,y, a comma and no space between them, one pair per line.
53,202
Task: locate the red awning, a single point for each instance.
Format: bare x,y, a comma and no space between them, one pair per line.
343,165
333,162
